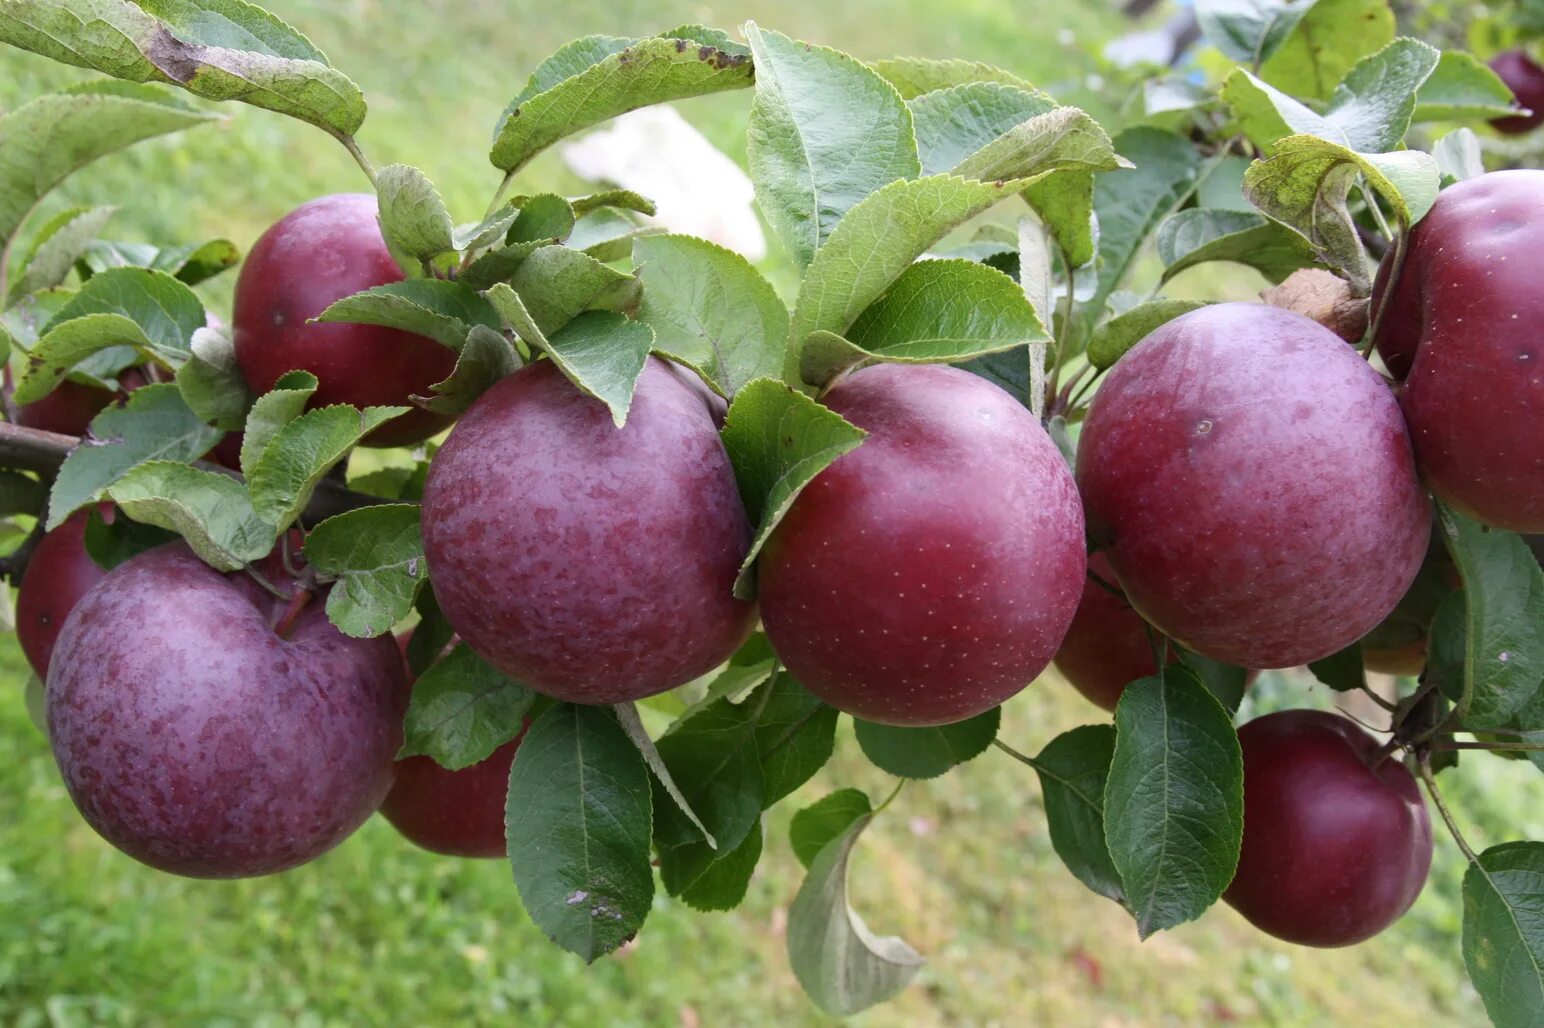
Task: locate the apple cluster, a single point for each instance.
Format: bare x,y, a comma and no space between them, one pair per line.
1247,488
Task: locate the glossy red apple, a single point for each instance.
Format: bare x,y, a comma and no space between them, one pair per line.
593,563
1337,842
1251,481
931,573
320,252
59,573
1525,79
1463,329
201,734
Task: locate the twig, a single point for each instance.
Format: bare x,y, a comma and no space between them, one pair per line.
1457,744
1424,767
1379,700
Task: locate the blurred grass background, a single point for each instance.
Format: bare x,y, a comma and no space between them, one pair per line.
378,932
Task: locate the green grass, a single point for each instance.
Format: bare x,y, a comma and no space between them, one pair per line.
379,932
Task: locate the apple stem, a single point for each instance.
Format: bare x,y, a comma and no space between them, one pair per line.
297,603
1424,767
352,146
1376,321
1379,700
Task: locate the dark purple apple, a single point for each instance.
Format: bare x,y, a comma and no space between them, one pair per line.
593,563
1337,842
931,573
1463,329
59,573
201,734
1525,79
320,252
1251,480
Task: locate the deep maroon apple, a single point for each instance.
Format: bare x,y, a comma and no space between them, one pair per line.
320,252
1107,646
1337,842
59,573
593,563
205,728
1525,79
1463,328
931,573
457,813
1251,480
70,406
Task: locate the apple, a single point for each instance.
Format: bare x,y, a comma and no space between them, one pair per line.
1463,331
1525,79
59,573
931,573
204,729
1337,841
1397,646
320,252
457,813
1250,478
593,563
69,408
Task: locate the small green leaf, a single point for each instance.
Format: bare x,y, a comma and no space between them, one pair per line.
953,123
1124,331
63,348
1342,670
1073,769
843,967
824,821
645,72
1198,235
302,452
213,512
1249,31
431,636
153,424
778,440
1174,802
1458,155
37,703
1062,140
414,219
376,556
1226,682
499,265
620,199
608,235
603,354
724,884
58,245
440,310
578,819
1462,88
271,412
462,710
544,216
1329,39
485,358
558,282
913,76
1504,932
632,724
711,310
190,264
109,545
564,63
825,131
795,735
211,382
927,752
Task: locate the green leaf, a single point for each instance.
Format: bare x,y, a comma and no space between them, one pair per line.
1065,204
558,282
1073,769
24,322
710,36
945,311
602,354
414,220
875,243
608,235
431,636
1174,802
564,63
440,310
213,512
1198,235
302,452
376,556
271,412
58,245
211,381
485,358
109,545
544,216
190,264
951,124
618,199
59,352
823,821
711,310
913,76
843,967
1226,682
499,265
50,138
36,703
725,882
1124,331
1306,180
1504,619
1458,155
825,131
1462,88
20,494
1504,932
578,820
1342,670
632,724
153,424
1065,140
926,752
462,710
1174,94
1330,38
646,72
216,49
778,439
795,736
1249,31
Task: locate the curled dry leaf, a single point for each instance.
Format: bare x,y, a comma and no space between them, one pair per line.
1326,298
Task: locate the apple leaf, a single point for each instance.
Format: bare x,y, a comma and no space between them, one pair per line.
1461,88
1324,45
1249,31
153,424
47,364
578,820
1065,203
558,282
1073,770
823,821
710,310
926,752
545,216
642,73
1458,155
795,735
211,511
611,199
59,243
608,235
375,555
190,263
304,450
632,724
271,412
564,63
1061,140
778,440
842,965
1226,682
109,545
953,123
723,885
462,709
20,494
212,383
1504,931
36,703
415,222
1174,801
1341,670
48,139
485,357
1124,331
913,76
437,309
825,131
1503,599
1201,234
499,264
602,354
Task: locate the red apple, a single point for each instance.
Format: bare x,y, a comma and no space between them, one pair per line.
457,813
1525,79
69,408
59,573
